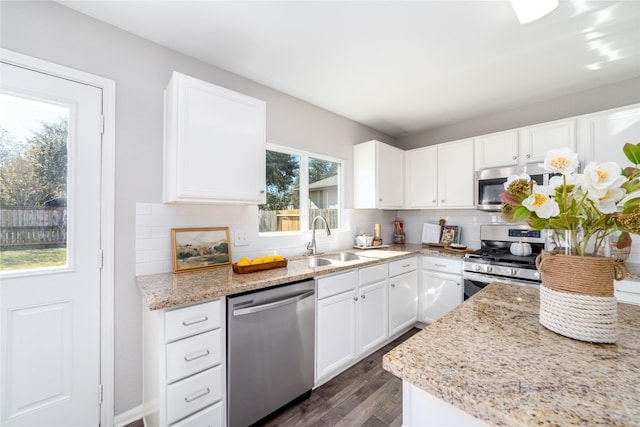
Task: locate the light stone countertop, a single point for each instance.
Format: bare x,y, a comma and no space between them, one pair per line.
491,358
168,290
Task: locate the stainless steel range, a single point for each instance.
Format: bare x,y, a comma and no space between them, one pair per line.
494,262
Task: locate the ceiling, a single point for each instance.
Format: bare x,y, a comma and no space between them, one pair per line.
398,67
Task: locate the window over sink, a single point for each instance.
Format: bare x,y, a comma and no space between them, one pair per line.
300,186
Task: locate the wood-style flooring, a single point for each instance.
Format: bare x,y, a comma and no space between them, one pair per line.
364,395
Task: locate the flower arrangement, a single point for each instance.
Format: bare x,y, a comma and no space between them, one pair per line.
589,207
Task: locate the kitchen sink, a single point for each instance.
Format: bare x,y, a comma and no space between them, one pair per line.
335,259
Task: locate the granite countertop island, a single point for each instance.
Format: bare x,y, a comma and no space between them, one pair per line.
491,358
168,290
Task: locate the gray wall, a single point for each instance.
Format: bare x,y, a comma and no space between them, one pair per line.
141,70
602,98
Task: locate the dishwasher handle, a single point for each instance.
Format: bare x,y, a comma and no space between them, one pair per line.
271,305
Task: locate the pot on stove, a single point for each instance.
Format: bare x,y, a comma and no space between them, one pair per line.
520,248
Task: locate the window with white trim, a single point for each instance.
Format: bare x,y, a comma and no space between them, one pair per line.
300,186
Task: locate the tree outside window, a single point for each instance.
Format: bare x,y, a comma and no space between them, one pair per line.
299,187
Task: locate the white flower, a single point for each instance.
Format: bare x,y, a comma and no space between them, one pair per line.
600,178
540,202
608,203
516,178
561,160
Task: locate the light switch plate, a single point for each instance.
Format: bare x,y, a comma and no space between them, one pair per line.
241,238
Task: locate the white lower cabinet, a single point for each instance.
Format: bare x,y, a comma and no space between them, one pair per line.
627,291
442,287
403,295
184,366
353,313
351,318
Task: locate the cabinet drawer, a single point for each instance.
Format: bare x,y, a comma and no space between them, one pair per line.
334,285
194,393
209,417
192,320
402,266
445,265
373,274
194,354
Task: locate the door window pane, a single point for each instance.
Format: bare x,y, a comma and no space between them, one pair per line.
282,210
33,183
324,191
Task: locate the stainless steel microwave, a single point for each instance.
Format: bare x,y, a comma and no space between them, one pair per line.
490,183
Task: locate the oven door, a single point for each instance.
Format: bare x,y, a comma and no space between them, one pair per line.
475,282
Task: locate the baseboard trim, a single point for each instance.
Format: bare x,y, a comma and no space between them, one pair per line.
128,417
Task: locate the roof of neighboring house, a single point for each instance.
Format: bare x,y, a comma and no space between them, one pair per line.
332,181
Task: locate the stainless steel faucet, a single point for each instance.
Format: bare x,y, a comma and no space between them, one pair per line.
311,247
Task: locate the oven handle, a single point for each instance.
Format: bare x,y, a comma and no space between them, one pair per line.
484,278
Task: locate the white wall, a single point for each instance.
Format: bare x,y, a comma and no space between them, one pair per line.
141,70
619,94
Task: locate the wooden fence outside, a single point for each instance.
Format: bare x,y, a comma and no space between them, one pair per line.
33,226
289,220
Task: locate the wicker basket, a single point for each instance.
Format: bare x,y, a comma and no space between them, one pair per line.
577,296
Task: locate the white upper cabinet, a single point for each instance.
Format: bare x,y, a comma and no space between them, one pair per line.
536,140
378,176
496,149
214,144
421,184
603,134
525,145
440,176
455,174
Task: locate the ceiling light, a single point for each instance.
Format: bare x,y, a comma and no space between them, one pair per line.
530,10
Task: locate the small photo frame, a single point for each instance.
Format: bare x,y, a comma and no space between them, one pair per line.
450,234
198,248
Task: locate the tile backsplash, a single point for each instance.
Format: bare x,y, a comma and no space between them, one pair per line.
154,222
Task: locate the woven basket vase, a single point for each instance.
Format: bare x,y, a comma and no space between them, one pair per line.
577,296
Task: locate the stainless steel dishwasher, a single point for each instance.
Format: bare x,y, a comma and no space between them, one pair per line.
270,350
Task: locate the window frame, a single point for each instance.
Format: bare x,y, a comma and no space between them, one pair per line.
304,189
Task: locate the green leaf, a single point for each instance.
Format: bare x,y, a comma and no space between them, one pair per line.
521,214
538,223
632,152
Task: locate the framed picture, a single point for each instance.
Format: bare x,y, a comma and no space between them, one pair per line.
450,234
197,248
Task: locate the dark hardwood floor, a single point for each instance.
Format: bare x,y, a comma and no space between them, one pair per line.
364,395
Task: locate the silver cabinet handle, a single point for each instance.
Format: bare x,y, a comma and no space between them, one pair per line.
528,156
196,355
194,321
362,296
197,395
433,201
355,298
393,285
406,265
440,265
514,157
261,191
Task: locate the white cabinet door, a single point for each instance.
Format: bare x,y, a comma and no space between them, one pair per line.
604,134
372,316
378,176
403,302
206,126
335,333
497,149
441,294
536,140
421,178
455,174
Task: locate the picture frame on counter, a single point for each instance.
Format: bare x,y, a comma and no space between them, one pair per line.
200,248
450,234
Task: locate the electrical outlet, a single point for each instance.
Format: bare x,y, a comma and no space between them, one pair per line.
241,238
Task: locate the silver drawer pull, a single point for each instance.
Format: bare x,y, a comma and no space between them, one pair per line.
393,285
440,265
197,395
194,321
406,265
197,355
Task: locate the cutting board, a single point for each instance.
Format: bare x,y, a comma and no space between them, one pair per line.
431,233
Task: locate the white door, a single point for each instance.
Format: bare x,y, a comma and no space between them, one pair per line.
442,293
403,302
50,313
372,316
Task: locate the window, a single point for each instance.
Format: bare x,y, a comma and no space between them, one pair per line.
300,186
